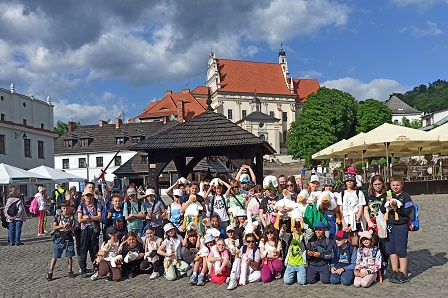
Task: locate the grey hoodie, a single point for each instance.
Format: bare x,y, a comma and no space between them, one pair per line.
21,215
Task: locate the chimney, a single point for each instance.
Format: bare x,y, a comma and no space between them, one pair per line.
186,90
180,111
72,126
118,123
168,92
102,123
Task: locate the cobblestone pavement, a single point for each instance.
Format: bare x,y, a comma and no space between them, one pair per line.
23,270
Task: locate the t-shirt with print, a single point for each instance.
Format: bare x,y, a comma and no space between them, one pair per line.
158,209
135,223
219,207
295,257
351,202
127,249
61,220
268,204
374,204
92,210
344,258
117,220
254,205
175,216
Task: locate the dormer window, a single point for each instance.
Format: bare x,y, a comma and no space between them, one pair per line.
136,139
68,143
84,142
119,141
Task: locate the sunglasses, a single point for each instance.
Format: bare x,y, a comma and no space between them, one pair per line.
235,187
206,184
288,185
250,241
269,233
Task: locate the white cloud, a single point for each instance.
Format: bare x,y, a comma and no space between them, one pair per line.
310,74
88,113
422,32
378,89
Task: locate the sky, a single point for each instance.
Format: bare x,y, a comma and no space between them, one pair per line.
99,60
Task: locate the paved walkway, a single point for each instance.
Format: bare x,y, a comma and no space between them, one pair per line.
23,270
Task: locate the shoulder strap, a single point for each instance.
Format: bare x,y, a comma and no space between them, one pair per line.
212,205
244,249
357,193
128,205
152,209
238,201
375,250
342,195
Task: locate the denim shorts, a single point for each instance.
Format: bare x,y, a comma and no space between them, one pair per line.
59,247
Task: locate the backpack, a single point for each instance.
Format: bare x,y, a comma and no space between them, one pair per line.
59,198
13,209
34,207
106,209
413,220
139,202
244,249
5,223
64,235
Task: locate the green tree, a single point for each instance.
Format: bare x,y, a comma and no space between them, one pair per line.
415,123
327,117
61,128
372,113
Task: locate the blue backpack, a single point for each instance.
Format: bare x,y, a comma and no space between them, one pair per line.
413,220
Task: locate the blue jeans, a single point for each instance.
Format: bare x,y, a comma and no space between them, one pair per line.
15,231
316,273
291,271
346,278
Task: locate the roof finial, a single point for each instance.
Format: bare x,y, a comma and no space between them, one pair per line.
209,101
11,88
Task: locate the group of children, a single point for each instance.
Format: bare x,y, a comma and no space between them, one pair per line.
237,239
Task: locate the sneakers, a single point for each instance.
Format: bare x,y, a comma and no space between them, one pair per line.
232,284
131,275
49,276
278,275
193,279
40,234
71,274
200,280
227,280
94,276
154,275
401,278
83,274
393,277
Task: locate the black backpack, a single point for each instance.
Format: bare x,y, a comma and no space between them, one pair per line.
244,249
13,209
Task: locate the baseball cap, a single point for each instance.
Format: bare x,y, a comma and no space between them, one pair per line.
241,212
149,192
111,230
230,228
88,191
351,170
177,193
340,235
131,191
320,225
116,189
328,181
244,178
314,178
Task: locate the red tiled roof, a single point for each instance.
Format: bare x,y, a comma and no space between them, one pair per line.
250,77
304,87
200,90
168,105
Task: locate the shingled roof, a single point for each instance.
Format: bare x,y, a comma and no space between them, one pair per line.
258,117
137,165
397,106
103,138
207,130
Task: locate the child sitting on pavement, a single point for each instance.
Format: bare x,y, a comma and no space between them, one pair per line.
200,267
344,260
220,262
131,266
108,251
319,253
368,260
64,225
190,246
151,260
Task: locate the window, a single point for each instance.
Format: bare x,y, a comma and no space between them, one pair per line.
271,113
117,161
285,133
2,117
119,141
262,137
99,162
84,142
285,116
65,164
144,159
42,126
82,163
2,98
229,114
2,144
27,147
40,149
24,121
68,143
136,139
261,124
243,113
396,121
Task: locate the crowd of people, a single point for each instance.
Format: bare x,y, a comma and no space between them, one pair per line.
232,231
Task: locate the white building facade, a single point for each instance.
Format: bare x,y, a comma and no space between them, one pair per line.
26,132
